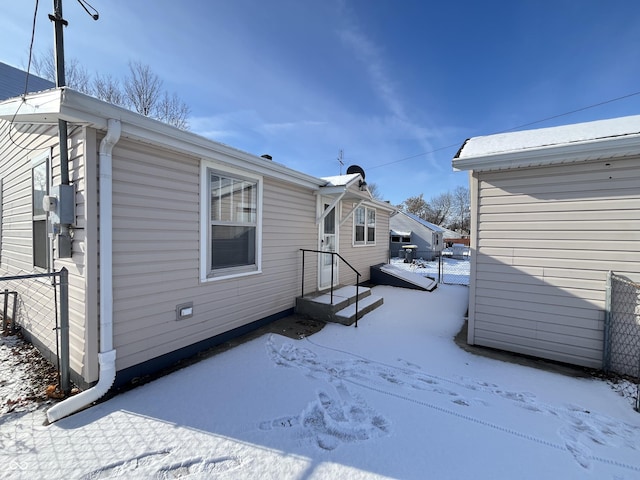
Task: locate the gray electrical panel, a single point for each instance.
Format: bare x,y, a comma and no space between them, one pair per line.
64,212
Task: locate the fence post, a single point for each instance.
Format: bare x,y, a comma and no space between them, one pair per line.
606,348
65,382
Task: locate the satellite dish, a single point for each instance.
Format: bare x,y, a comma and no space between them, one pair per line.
355,169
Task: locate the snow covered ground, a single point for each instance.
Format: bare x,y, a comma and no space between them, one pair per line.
393,398
454,271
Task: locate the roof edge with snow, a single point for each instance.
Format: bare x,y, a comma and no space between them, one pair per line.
617,137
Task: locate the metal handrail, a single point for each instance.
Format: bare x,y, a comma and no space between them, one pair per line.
358,275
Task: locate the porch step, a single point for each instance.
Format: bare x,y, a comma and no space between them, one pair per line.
347,316
342,310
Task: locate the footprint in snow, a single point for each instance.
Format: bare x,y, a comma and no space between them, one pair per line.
330,421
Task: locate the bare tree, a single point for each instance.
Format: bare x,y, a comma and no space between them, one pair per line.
140,91
439,209
374,190
415,205
172,110
461,208
142,88
76,76
107,88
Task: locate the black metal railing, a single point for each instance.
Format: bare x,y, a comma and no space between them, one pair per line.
333,255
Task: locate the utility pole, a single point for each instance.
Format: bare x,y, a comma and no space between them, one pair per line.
63,235
58,24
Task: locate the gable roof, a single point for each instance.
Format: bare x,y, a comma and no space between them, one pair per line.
408,221
13,81
616,137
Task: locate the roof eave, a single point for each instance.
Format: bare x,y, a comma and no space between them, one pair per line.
66,104
603,148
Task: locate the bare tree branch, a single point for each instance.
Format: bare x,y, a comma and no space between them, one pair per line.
142,88
172,110
107,88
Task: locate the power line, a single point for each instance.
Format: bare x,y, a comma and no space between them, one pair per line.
33,34
457,145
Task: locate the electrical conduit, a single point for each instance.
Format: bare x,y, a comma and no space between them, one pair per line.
107,355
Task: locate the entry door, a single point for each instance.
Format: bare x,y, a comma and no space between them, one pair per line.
328,243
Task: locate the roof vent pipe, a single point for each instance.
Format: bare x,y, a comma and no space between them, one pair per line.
107,355
266,157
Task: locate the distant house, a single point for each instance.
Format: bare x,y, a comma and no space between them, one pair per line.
178,241
409,229
553,210
14,82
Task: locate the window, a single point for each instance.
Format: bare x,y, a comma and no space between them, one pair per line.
40,188
232,233
364,220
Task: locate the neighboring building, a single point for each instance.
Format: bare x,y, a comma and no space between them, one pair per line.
553,210
409,229
178,241
13,82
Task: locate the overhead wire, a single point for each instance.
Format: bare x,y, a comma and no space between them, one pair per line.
553,117
26,84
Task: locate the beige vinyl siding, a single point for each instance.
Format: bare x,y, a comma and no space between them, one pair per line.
545,239
36,297
361,257
156,252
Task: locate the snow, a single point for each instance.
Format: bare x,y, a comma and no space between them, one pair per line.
393,398
541,137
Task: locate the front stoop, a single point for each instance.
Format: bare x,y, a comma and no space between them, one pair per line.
343,308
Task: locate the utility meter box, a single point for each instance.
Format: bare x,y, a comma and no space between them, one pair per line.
63,210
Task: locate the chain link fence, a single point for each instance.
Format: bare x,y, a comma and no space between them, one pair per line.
36,306
622,333
448,267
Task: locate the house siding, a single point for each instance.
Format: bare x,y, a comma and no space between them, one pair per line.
156,252
36,302
361,257
544,241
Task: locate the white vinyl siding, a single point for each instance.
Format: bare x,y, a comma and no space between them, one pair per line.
156,263
363,258
36,313
545,239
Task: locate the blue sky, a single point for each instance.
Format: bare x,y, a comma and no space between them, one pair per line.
391,83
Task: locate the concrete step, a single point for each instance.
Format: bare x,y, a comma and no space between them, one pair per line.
319,306
347,316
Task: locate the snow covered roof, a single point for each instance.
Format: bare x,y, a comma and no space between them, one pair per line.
423,222
401,233
610,138
340,180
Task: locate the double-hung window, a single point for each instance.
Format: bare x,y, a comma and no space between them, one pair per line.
364,221
39,188
233,214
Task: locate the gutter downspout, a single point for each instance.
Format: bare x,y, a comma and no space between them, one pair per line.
107,355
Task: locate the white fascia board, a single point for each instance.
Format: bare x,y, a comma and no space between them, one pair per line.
42,107
610,147
329,191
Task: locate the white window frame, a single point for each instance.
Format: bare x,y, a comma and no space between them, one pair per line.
40,216
366,225
207,274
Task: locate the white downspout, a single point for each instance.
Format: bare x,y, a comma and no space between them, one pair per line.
107,355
